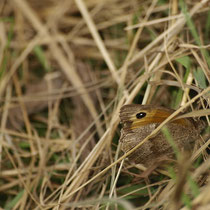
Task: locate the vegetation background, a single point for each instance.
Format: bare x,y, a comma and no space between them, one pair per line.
66,68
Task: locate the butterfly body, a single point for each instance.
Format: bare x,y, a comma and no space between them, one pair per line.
140,120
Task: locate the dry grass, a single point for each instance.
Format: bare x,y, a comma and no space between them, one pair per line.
65,71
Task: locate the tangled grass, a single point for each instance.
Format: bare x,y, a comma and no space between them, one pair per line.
65,71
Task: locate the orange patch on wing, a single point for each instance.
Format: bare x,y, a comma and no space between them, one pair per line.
155,116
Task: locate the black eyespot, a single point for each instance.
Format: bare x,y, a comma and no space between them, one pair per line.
140,115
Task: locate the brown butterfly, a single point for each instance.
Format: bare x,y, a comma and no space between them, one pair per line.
140,120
